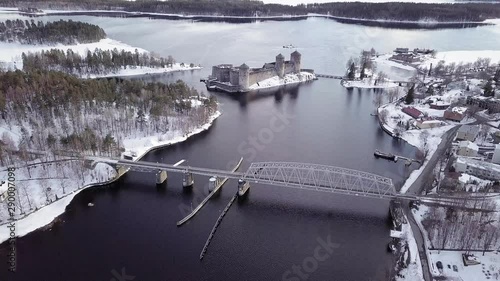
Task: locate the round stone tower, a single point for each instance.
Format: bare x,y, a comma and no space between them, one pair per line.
280,65
295,58
244,77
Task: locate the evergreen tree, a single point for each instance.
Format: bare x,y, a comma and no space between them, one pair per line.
351,74
410,96
362,75
488,89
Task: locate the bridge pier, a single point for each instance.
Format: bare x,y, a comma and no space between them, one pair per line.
188,180
243,187
212,183
161,177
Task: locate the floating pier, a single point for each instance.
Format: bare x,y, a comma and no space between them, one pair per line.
217,223
388,156
395,158
218,184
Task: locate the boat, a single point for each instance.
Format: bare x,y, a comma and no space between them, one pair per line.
384,155
289,46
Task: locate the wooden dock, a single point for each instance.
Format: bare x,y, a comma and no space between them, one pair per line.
188,217
217,223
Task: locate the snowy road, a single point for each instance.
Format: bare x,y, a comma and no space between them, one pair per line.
417,187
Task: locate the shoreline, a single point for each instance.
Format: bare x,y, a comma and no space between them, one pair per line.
48,213
386,23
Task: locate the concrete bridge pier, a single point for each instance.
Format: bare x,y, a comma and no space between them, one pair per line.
212,183
243,187
188,180
161,177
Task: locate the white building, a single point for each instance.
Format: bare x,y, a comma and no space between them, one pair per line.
481,169
467,148
496,155
468,132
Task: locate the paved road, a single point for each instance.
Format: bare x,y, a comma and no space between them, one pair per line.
417,187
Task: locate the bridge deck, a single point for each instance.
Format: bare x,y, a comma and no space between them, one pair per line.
303,176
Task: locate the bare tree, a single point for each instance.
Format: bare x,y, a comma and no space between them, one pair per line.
383,115
378,99
491,234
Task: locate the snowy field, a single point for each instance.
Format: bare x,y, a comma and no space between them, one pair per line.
289,79
383,60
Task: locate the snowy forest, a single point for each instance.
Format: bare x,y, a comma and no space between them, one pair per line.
98,62
55,111
57,32
471,226
394,11
50,119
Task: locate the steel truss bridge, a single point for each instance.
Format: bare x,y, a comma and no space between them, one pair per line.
296,175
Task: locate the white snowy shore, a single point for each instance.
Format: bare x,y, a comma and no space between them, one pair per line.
288,79
48,213
10,56
368,83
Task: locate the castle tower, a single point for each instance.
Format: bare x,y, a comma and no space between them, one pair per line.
296,58
244,77
280,65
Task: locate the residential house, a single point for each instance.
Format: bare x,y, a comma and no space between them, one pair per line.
489,103
413,112
440,105
427,124
456,113
468,132
496,155
480,169
468,149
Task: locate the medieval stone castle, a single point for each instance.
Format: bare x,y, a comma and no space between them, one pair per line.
231,78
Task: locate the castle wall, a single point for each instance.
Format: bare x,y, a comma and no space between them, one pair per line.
258,76
289,68
234,77
221,73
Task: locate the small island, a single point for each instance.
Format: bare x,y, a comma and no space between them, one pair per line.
241,79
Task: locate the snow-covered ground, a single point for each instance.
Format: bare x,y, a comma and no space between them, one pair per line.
414,270
368,83
72,183
288,79
135,71
10,53
141,145
383,60
38,204
461,56
489,269
10,56
413,137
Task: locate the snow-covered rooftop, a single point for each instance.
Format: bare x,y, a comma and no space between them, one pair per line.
469,145
459,109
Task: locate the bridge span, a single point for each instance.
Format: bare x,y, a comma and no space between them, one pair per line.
296,175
